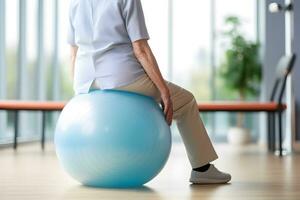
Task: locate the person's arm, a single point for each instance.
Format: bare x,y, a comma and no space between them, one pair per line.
145,56
73,54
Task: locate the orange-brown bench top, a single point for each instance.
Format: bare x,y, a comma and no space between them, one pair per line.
203,106
32,105
240,106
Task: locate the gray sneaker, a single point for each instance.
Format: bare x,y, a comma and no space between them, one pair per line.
211,176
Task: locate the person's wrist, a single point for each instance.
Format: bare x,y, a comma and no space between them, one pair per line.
165,91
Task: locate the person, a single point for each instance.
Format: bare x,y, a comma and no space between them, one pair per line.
110,50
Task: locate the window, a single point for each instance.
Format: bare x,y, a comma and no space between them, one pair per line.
185,38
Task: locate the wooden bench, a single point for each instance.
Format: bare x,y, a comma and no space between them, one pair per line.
43,106
48,106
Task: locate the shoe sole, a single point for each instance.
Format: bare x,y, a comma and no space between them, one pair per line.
209,181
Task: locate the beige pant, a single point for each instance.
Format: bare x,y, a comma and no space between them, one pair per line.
197,143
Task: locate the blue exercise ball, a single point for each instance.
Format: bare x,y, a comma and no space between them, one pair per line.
110,138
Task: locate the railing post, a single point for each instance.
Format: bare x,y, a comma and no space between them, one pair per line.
43,129
16,133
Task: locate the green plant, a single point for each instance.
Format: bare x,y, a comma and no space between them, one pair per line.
241,69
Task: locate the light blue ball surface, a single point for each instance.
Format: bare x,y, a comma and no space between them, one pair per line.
112,139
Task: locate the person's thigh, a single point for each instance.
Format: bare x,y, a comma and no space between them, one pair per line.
144,85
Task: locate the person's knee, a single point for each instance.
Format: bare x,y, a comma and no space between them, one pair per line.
191,102
189,96
188,104
187,100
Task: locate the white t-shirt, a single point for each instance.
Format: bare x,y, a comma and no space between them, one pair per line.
104,31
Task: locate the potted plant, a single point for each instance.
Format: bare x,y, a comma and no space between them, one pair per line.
241,73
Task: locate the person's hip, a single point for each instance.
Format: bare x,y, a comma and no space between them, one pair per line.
143,85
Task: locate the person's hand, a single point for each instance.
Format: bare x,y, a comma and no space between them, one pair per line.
167,106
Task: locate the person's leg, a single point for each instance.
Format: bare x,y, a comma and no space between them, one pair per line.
198,146
197,143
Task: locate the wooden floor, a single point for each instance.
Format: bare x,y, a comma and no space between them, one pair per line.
29,173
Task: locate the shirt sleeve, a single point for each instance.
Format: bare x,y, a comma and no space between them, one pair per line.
70,27
135,20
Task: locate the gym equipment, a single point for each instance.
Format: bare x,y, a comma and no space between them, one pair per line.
110,138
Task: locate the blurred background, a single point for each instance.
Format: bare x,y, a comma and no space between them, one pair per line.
190,39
